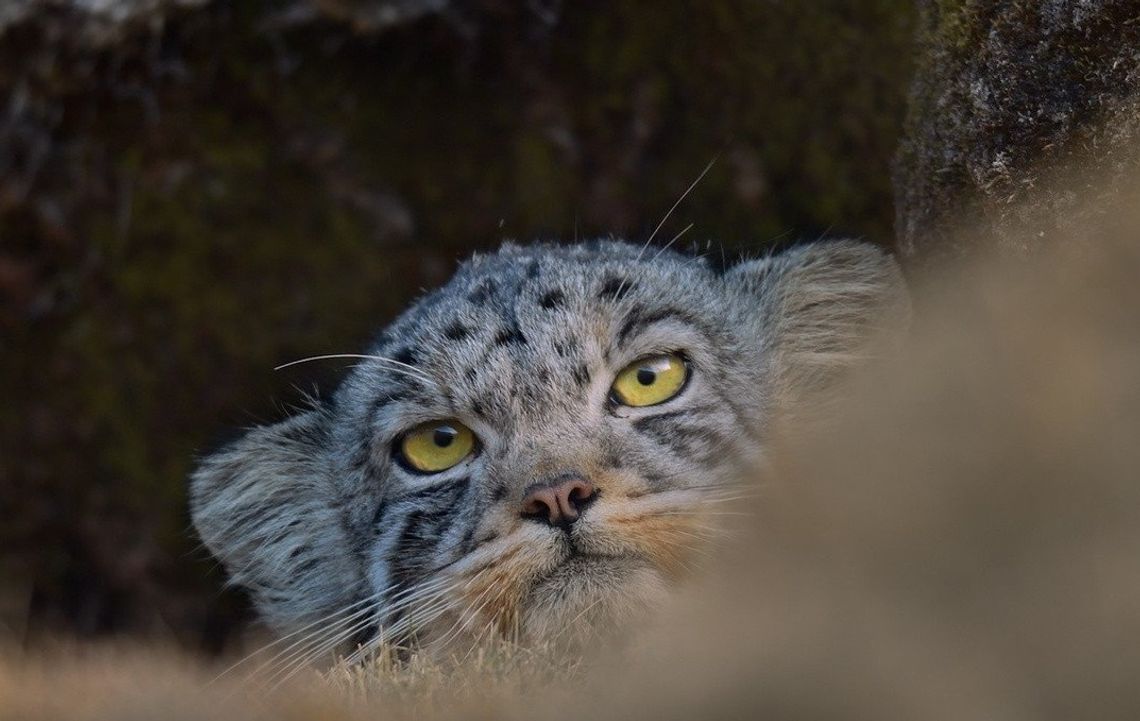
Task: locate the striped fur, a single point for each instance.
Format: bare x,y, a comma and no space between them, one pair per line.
313,514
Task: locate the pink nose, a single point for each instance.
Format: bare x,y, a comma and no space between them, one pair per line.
558,504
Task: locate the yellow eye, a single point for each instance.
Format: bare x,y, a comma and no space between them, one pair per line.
436,446
651,380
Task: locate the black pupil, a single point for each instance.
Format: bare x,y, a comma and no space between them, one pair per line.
444,436
645,376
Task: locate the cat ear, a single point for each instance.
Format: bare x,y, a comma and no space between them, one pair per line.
265,507
822,309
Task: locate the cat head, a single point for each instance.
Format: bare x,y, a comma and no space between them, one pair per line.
538,446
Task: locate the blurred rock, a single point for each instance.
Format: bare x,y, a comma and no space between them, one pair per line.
1007,96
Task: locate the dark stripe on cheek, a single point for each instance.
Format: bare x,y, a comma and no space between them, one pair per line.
404,561
468,542
581,375
667,430
448,491
305,567
470,512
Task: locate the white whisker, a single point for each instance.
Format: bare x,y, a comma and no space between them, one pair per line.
649,240
676,237
462,622
394,364
679,201
322,621
303,659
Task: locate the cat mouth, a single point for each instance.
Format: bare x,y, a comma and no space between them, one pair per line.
588,595
584,574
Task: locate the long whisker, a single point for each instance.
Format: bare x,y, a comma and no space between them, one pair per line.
432,609
322,621
395,364
302,660
428,597
649,240
312,646
304,657
462,622
318,641
488,627
731,499
574,623
700,512
676,237
679,201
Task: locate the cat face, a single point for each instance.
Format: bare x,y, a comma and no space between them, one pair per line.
539,446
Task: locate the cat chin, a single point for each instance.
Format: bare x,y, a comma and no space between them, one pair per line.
591,597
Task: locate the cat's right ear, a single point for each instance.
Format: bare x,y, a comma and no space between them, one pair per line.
820,309
265,506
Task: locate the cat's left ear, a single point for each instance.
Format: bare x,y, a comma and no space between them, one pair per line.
820,309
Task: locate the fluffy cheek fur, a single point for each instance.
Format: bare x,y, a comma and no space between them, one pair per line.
541,587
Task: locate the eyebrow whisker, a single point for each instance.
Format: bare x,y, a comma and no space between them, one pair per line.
679,201
676,237
393,364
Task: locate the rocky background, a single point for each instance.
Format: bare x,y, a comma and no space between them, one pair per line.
195,191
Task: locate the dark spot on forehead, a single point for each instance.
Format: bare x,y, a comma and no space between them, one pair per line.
510,336
482,292
457,331
615,288
532,269
499,492
470,374
405,355
551,299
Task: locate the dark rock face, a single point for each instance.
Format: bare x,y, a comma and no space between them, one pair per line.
105,22
1007,95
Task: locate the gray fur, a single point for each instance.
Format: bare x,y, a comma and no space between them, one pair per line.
313,514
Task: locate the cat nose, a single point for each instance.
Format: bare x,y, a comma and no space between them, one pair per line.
559,503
